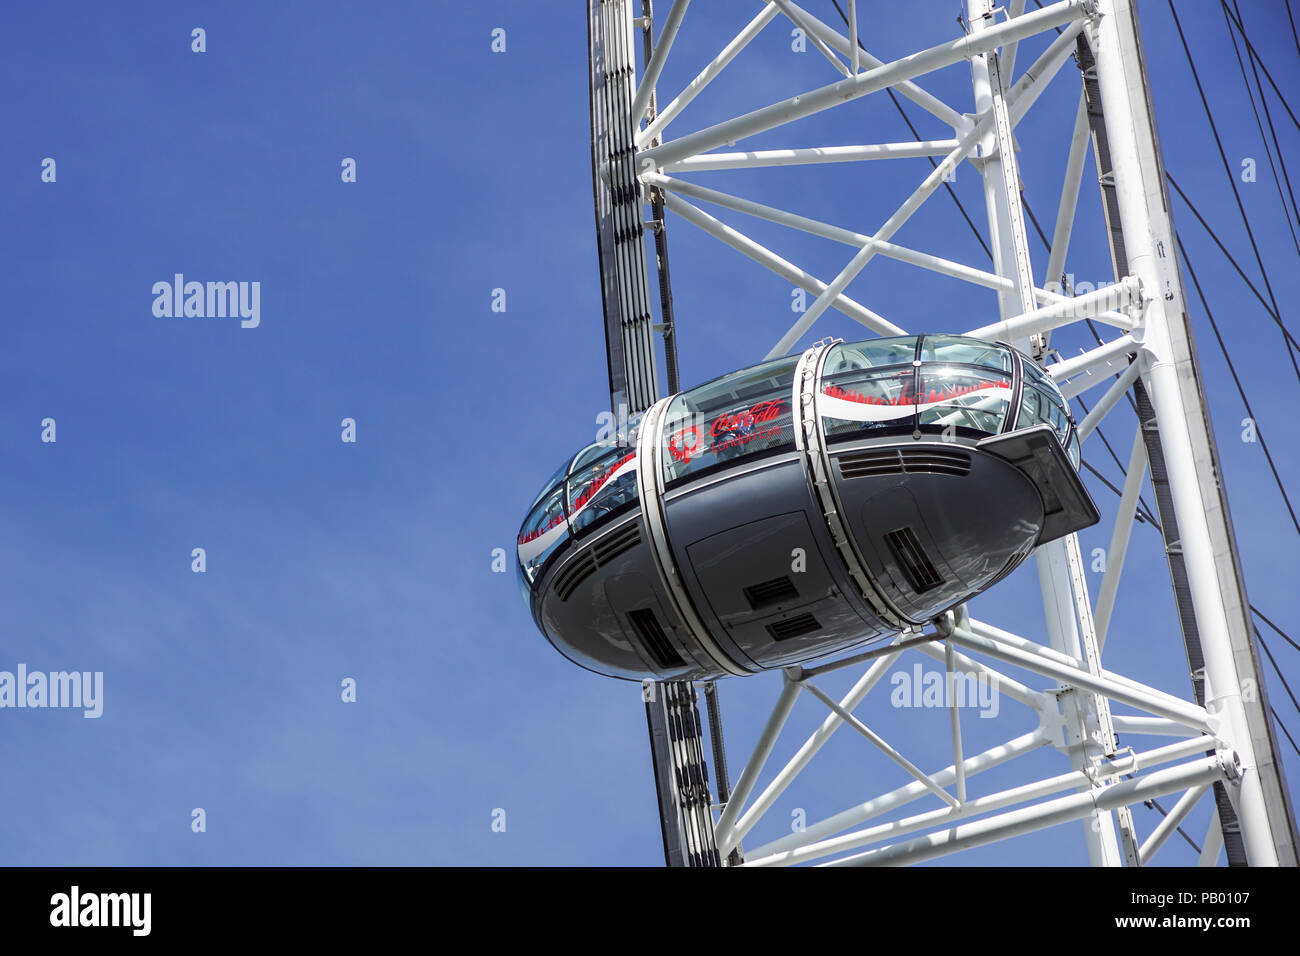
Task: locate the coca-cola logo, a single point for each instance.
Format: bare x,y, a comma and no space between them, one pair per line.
748,418
685,444
728,431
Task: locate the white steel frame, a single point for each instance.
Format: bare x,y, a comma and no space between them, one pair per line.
1074,714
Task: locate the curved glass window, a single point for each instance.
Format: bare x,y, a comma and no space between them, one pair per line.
551,482
598,488
741,415
960,382
869,388
598,481
964,398
862,404
965,351
872,354
1041,402
1035,374
544,530
1039,406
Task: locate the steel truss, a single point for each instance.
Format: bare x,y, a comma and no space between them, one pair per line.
1223,741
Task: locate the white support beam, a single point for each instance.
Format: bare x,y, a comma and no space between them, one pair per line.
818,42
1106,684
868,251
927,101
727,838
1120,295
964,836
921,642
765,257
984,629
794,853
1109,400
825,829
1119,536
667,113
948,267
1048,297
871,81
1065,211
1101,355
1022,95
1098,375
1195,718
1005,686
954,717
1016,8
1152,726
881,744
1207,545
1026,90
1212,846
814,743
1166,827
1086,731
804,156
856,57
656,65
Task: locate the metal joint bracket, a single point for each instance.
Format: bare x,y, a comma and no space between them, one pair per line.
1230,762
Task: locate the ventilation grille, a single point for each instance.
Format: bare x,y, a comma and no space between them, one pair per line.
872,462
653,638
607,549
916,564
604,551
793,627
771,592
574,573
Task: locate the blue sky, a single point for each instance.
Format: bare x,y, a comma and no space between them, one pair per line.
372,560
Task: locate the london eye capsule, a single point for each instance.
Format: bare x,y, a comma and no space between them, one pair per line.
802,507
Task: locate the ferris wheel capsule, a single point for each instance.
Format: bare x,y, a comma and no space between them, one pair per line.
729,535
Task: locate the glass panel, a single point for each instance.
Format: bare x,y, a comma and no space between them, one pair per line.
1045,384
875,353
1036,375
608,445
551,482
1039,406
1073,448
602,487
743,414
590,454
860,404
964,397
544,530
967,351
1028,409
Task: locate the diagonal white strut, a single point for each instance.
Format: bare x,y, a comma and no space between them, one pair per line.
873,80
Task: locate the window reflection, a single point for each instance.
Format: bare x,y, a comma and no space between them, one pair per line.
738,416
966,351
862,403
872,354
1039,406
601,488
964,398
544,530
